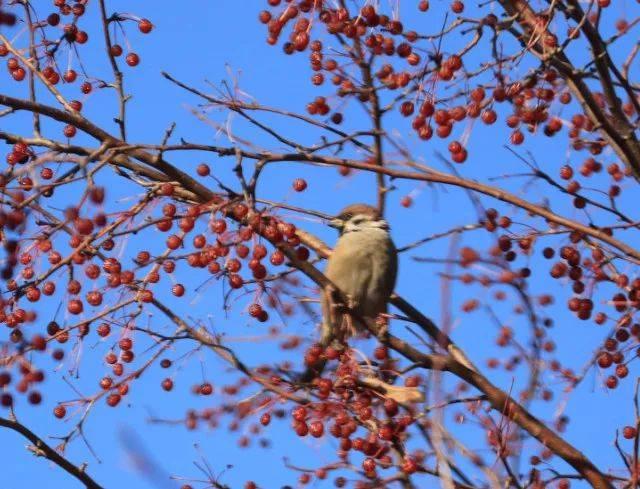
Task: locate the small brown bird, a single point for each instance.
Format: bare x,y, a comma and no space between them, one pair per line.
363,266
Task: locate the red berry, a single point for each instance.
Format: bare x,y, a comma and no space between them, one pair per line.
457,6
18,74
70,76
566,172
460,156
409,466
629,432
53,19
489,116
235,281
369,465
277,258
173,242
59,411
132,59
34,398
406,108
381,353
167,384
219,226
6,399
316,429
455,147
145,26
517,137
255,310
299,413
301,428
70,130
103,330
113,400
299,185
75,306
203,169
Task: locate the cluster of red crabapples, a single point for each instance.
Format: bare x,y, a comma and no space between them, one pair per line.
343,407
584,267
219,249
370,30
64,30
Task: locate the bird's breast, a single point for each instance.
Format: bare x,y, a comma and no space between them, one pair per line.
363,265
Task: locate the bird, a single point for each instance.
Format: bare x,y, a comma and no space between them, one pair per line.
364,267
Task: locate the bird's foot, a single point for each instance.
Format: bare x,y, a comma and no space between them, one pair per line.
349,328
382,325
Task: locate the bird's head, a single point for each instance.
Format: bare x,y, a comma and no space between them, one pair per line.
358,217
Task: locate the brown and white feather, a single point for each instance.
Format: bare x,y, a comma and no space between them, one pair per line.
363,266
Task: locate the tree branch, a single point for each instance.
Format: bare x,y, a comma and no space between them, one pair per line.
42,449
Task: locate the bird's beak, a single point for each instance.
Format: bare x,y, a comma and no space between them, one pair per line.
336,223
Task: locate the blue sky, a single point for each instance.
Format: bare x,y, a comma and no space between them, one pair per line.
222,40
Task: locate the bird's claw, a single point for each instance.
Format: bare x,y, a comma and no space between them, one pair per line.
382,326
